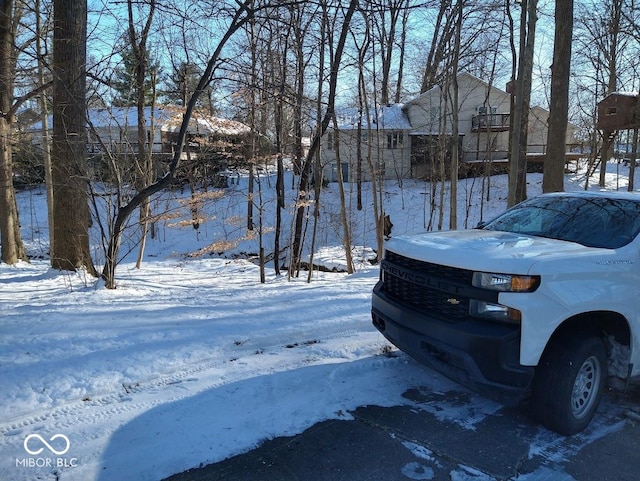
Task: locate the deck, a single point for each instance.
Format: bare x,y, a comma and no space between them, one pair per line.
535,162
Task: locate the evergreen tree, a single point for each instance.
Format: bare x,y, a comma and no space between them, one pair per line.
124,83
181,83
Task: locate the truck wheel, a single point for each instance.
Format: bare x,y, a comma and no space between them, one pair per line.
568,384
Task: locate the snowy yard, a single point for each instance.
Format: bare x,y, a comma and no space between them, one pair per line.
192,360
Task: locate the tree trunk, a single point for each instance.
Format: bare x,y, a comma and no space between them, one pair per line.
455,150
518,145
386,40
280,197
317,164
300,32
634,155
12,247
401,56
608,139
346,231
254,127
144,160
554,161
71,214
612,68
442,34
44,115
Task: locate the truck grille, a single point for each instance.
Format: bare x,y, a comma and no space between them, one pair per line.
445,272
437,303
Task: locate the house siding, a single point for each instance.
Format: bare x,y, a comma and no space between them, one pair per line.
619,111
483,145
472,94
392,163
423,122
385,145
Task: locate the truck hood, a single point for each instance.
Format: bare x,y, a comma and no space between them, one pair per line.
483,250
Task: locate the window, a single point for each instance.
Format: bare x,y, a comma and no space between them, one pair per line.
394,140
572,218
611,111
486,109
364,138
330,141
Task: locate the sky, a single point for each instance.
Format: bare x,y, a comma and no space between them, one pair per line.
107,21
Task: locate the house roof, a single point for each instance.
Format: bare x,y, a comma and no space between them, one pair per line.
473,78
205,124
621,94
168,118
27,117
385,117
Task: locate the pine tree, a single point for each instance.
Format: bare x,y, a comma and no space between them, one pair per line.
125,94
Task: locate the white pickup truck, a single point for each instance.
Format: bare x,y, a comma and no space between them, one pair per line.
542,303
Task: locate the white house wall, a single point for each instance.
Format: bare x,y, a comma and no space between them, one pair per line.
538,129
392,163
122,139
425,112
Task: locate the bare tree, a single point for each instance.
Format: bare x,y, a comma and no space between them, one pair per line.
605,59
455,150
402,53
41,36
317,165
344,218
240,15
138,42
387,17
335,63
278,81
613,40
443,32
71,215
553,178
520,108
12,246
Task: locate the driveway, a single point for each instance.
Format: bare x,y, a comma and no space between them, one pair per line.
421,440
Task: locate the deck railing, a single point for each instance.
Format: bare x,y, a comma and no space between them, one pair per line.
493,122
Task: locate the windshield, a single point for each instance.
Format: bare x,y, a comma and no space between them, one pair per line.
604,222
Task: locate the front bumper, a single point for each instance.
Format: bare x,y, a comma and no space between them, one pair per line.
481,355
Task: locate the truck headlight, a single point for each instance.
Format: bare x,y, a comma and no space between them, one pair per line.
505,282
494,312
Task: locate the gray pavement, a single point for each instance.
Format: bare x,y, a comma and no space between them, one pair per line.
414,442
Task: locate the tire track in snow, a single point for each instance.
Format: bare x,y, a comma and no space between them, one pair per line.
131,398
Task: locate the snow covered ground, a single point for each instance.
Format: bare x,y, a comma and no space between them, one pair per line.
191,360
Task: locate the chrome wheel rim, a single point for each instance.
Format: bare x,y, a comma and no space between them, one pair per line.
585,387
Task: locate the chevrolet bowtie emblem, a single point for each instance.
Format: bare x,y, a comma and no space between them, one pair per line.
453,301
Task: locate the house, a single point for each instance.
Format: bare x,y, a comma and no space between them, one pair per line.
538,129
424,127
619,111
115,130
483,123
211,146
382,138
25,118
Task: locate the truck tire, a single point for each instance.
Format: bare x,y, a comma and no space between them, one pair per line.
568,384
